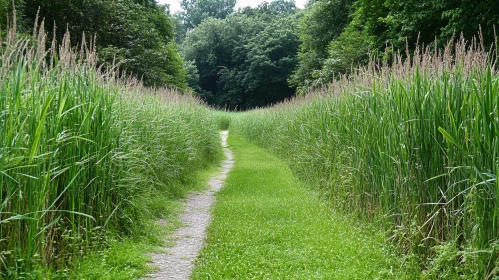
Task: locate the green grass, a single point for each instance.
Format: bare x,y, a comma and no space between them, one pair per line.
267,225
223,119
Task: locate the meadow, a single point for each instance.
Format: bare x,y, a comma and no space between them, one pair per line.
411,145
89,156
86,155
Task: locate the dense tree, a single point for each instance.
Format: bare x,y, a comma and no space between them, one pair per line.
272,57
195,11
345,53
274,8
338,34
322,22
3,13
139,33
427,20
6,12
143,41
193,76
245,59
216,45
179,29
231,55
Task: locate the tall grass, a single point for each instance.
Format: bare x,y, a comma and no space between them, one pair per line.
412,145
84,152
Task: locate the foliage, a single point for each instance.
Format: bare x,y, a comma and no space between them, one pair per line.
397,22
139,34
143,42
345,53
384,27
322,22
411,145
195,11
6,14
179,29
192,76
244,61
272,9
4,11
270,60
83,153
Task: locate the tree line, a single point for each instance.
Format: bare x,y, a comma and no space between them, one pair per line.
337,35
137,33
244,60
256,56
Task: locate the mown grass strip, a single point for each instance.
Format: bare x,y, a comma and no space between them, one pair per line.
267,225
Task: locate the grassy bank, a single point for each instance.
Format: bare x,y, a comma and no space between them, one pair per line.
268,226
412,146
86,155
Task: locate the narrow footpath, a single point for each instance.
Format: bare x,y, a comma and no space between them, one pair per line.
267,225
177,263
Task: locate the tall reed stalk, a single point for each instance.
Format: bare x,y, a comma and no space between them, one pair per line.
82,151
412,144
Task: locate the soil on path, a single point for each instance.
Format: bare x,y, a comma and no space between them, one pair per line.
178,261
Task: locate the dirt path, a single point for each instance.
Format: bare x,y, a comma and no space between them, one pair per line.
178,261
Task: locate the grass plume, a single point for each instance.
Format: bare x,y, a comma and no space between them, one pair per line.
82,149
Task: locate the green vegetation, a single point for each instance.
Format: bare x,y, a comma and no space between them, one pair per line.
322,22
337,35
85,156
195,11
242,71
413,147
334,36
223,119
121,260
255,57
269,226
126,258
138,34
89,157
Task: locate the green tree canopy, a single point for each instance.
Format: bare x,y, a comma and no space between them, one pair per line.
322,22
4,5
271,58
195,11
139,33
244,60
6,13
338,34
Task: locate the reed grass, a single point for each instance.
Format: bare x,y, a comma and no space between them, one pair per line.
84,151
412,145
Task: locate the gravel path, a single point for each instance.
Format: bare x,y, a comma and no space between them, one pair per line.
178,261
